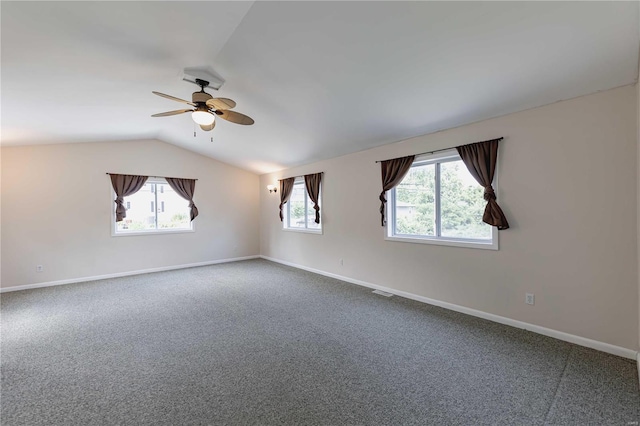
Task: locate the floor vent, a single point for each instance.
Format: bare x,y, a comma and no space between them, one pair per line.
382,293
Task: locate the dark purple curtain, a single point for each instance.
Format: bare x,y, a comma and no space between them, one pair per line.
481,158
312,182
393,171
286,187
185,188
125,185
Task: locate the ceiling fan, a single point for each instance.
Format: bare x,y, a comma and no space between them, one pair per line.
206,108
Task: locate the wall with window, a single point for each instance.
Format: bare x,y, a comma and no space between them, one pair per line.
57,204
567,183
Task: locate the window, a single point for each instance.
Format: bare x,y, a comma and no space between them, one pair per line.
299,212
439,202
155,208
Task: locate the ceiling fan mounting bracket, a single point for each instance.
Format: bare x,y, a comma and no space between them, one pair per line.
203,77
202,83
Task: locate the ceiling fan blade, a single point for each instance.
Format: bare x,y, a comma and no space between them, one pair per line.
209,127
235,117
173,98
176,112
221,103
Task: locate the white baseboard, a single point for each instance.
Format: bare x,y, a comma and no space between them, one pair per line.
571,338
123,274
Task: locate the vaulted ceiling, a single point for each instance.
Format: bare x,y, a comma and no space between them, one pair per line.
321,79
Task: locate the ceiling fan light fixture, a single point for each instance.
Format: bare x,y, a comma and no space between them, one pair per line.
202,117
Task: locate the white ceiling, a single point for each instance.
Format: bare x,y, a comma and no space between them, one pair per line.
321,79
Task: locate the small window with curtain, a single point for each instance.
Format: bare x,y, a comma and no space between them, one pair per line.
439,202
299,214
155,208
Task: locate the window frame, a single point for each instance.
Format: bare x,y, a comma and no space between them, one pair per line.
423,160
160,231
287,211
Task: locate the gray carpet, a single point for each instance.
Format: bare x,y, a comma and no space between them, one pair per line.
255,342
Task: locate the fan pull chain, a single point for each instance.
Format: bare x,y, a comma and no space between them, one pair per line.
194,130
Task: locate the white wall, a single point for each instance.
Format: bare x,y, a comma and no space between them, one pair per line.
56,207
568,186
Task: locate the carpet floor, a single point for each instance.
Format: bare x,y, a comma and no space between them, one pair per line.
258,343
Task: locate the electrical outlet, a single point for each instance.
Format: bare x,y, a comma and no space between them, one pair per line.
341,262
39,268
529,299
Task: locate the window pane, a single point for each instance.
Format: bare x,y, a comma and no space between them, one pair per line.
155,203
296,206
461,203
139,215
415,202
173,210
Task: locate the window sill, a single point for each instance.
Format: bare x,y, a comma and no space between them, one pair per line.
304,230
447,242
153,232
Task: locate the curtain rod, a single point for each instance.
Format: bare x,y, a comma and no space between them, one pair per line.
300,176
440,150
163,177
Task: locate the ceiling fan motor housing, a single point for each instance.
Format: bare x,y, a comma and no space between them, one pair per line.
200,97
